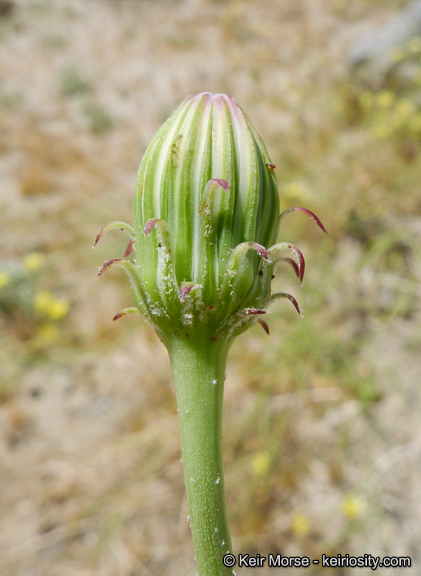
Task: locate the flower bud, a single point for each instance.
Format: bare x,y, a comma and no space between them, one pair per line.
206,217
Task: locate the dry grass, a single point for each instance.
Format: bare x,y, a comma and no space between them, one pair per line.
322,435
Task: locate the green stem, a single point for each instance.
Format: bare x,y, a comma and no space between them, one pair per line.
198,366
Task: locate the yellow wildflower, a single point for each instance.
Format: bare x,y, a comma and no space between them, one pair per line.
58,309
405,108
43,301
4,279
260,463
300,525
33,261
352,506
385,99
46,304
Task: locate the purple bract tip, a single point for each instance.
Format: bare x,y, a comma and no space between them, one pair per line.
222,183
149,226
261,250
107,264
253,311
98,236
301,260
309,213
185,290
129,249
294,301
264,326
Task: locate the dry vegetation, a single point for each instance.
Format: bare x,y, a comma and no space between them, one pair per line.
322,428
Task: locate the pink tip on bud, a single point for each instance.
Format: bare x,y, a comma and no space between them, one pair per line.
107,265
298,257
150,224
264,326
98,236
253,311
185,290
125,312
309,213
294,301
289,297
129,249
301,260
123,226
261,250
222,183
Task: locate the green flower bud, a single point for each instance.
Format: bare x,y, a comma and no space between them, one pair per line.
201,258
206,217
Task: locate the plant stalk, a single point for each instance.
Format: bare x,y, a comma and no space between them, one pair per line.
198,366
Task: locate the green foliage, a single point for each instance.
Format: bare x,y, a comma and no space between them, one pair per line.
11,99
55,41
311,350
9,26
73,82
98,117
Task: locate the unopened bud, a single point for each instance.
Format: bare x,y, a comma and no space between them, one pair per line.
206,218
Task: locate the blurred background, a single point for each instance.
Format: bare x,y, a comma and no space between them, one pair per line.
322,434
